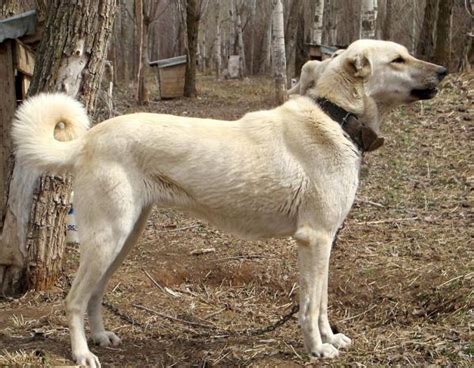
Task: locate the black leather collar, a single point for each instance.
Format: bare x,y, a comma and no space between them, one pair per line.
363,137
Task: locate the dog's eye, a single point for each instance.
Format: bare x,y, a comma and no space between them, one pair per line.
398,60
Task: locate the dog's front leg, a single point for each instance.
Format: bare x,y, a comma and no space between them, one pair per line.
339,340
314,248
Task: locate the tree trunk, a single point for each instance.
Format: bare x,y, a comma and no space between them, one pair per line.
291,30
70,59
330,18
317,34
442,51
253,8
387,23
192,27
300,52
218,43
240,44
267,49
278,52
426,40
368,18
233,26
139,19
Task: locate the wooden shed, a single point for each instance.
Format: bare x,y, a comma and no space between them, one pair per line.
17,60
171,76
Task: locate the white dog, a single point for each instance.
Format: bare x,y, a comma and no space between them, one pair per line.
290,171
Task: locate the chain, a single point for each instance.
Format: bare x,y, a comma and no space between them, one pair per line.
260,331
226,334
125,317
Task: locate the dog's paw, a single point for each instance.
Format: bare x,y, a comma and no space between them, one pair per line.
339,340
325,351
86,359
106,338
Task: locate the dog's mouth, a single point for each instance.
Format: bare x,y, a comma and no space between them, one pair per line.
424,93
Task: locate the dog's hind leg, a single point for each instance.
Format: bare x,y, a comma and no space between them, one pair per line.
339,340
94,309
314,248
104,230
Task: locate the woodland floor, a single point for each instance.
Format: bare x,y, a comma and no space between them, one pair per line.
401,281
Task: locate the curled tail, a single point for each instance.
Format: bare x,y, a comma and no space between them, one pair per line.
45,131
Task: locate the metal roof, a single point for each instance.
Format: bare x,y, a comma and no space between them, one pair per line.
18,25
164,63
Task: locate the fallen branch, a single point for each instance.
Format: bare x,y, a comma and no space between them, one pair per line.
198,252
163,289
179,229
387,221
359,200
166,316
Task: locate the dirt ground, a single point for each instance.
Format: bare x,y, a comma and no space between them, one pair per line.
401,272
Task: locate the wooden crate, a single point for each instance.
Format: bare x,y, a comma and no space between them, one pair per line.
171,76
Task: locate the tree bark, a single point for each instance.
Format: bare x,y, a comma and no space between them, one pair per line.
368,18
253,10
278,52
317,34
291,30
218,43
388,20
240,44
70,59
442,51
300,52
426,41
192,28
141,94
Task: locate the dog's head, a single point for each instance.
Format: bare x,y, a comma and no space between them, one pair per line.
390,74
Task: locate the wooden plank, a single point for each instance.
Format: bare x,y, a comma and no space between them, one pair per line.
24,58
7,111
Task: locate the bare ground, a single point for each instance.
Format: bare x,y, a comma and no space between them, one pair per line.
401,272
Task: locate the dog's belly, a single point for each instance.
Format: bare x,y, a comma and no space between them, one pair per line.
252,207
250,225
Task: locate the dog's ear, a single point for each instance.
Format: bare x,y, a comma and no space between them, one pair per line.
359,66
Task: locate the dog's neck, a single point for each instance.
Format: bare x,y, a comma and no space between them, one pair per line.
363,137
348,92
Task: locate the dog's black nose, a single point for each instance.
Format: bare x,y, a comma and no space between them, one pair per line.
442,72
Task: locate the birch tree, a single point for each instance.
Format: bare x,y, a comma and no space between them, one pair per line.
368,18
240,43
317,32
32,247
278,51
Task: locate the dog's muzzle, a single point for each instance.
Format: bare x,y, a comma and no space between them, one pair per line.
424,94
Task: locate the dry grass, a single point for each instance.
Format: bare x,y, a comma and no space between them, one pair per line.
401,273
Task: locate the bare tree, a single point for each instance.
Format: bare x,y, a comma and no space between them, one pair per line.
317,34
31,248
387,20
426,40
240,41
442,51
142,94
368,18
278,51
192,29
218,43
290,36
